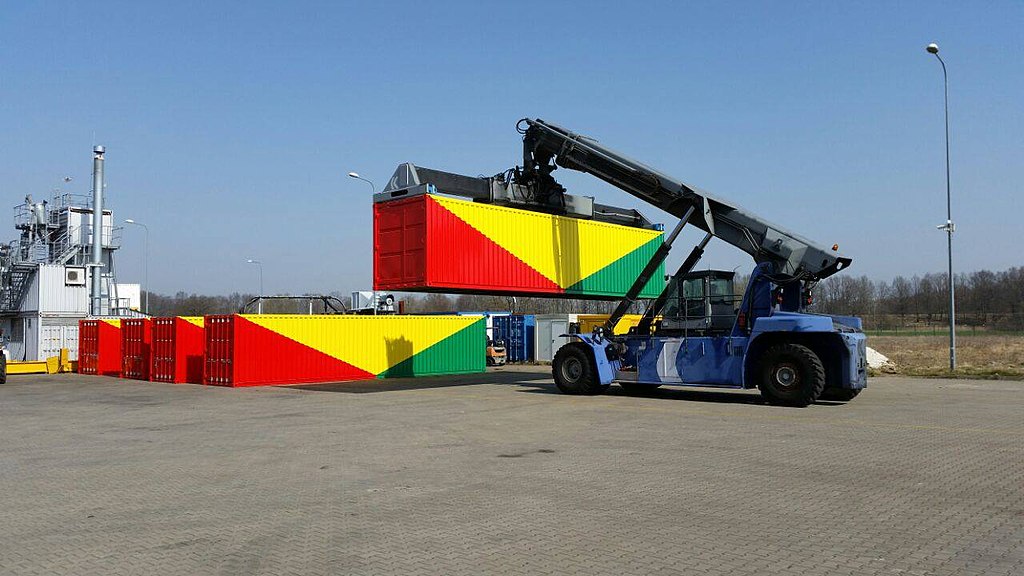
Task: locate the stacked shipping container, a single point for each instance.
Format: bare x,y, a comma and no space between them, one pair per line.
434,243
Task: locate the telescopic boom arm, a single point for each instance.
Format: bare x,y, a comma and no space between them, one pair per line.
547,146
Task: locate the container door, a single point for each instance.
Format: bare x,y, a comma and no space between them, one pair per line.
32,336
515,338
550,339
544,341
71,341
557,328
52,340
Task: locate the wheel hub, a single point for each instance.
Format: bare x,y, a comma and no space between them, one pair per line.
572,369
786,376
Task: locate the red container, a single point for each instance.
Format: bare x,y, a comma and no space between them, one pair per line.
99,347
241,353
178,350
136,341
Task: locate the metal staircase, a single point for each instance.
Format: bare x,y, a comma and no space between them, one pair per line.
19,276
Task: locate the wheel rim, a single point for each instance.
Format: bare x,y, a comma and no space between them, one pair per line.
572,369
786,376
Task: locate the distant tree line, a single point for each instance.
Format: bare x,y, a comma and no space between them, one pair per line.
991,300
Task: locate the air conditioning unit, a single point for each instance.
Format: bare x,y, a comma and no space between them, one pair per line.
74,276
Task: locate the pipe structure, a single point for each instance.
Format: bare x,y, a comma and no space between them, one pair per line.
97,230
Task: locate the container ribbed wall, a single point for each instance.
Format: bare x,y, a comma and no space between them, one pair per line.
177,351
99,347
136,342
253,350
438,244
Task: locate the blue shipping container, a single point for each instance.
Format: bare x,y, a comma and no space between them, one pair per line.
518,333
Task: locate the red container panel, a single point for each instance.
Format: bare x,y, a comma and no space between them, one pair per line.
421,246
99,347
240,353
400,243
136,341
177,351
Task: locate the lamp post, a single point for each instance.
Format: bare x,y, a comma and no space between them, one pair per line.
145,260
949,227
259,302
374,189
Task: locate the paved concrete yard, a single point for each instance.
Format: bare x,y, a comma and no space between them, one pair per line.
499,474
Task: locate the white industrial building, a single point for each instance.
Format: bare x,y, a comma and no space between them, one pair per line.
46,275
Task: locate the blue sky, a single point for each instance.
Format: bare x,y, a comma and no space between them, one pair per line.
230,127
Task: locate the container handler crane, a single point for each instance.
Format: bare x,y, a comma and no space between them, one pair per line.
704,336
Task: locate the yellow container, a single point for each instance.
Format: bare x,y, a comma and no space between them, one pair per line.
590,321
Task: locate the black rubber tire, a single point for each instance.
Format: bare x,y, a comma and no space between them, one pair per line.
839,394
638,389
3,368
574,372
791,375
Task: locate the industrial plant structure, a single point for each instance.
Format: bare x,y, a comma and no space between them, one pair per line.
59,271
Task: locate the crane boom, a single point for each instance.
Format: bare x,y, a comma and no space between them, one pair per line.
546,146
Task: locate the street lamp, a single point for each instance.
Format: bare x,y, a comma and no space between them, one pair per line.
145,259
358,177
374,188
259,302
949,227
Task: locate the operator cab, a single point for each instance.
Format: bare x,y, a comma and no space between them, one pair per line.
702,304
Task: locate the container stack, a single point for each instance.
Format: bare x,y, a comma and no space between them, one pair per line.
425,243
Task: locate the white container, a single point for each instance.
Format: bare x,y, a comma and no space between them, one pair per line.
50,292
548,336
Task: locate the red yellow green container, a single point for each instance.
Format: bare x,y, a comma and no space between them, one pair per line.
267,349
433,243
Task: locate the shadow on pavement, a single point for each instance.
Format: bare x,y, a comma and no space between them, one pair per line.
520,376
691,395
748,397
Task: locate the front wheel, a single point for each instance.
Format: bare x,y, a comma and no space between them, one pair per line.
573,369
792,375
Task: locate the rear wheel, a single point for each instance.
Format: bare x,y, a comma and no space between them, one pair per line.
840,394
574,372
792,375
3,367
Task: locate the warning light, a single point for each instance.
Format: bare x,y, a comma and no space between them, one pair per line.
835,247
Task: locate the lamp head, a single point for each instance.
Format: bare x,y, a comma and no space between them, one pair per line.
129,221
353,175
933,48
